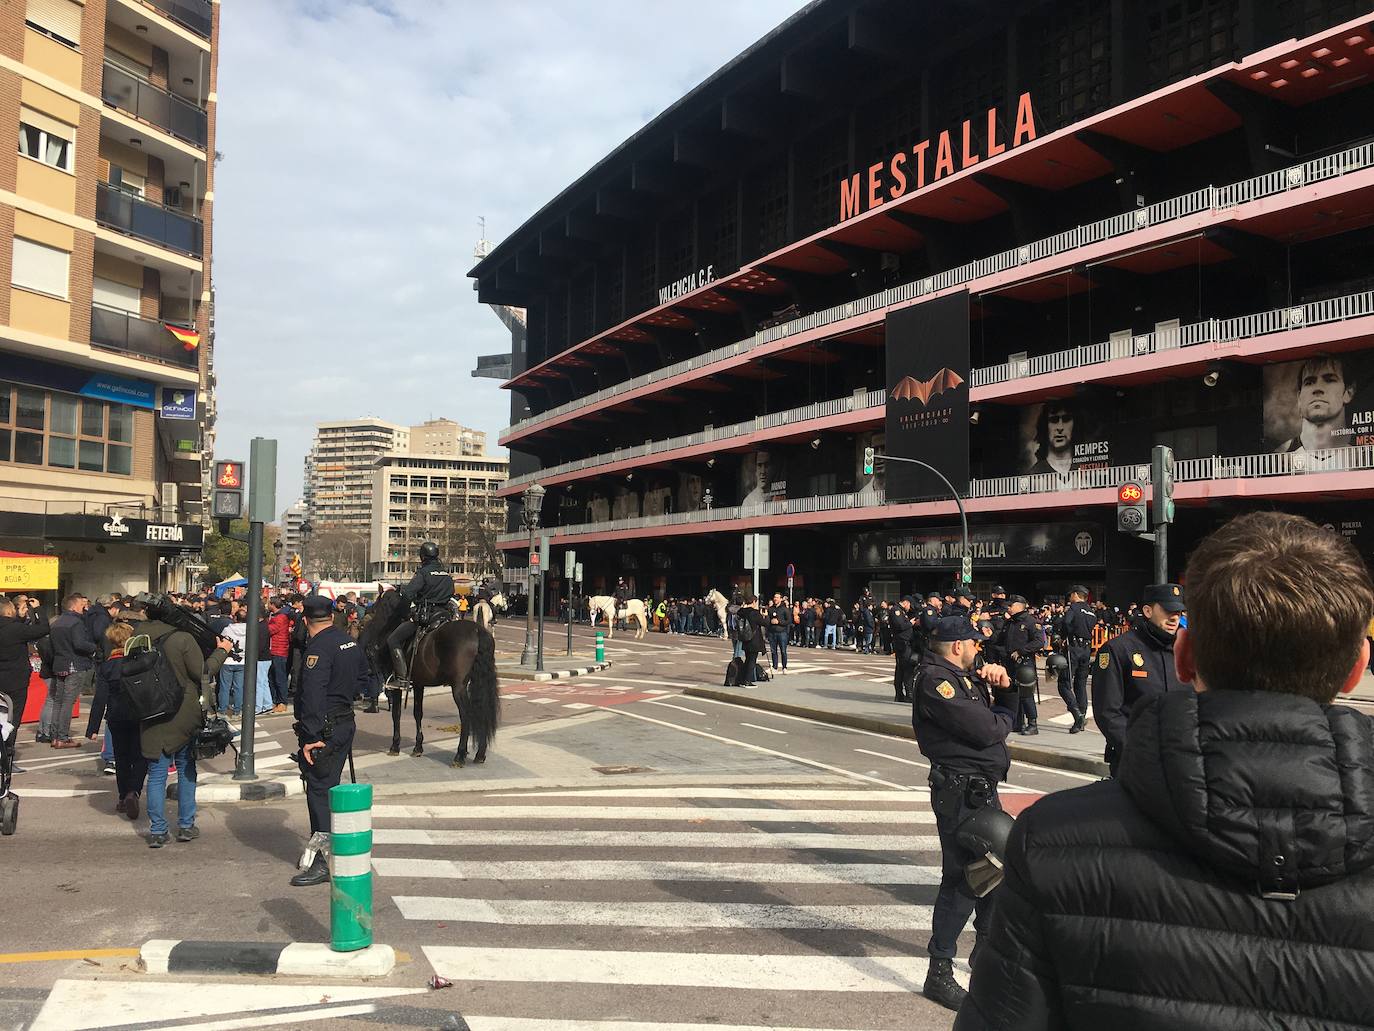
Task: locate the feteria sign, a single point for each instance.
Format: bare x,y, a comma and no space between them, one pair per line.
908,171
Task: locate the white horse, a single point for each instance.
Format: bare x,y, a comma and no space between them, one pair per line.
485,612
634,609
718,602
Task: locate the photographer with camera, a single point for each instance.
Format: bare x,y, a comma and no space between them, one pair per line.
179,637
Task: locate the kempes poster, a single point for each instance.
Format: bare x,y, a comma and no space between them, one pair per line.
1322,402
927,397
1061,436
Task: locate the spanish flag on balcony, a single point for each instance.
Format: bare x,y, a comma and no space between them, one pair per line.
189,338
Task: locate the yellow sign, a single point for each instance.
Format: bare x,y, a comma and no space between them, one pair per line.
28,573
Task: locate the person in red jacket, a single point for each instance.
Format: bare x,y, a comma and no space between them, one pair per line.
279,630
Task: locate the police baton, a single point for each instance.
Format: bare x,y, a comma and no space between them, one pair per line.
352,776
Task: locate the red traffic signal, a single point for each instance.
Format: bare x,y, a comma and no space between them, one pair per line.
1129,494
229,475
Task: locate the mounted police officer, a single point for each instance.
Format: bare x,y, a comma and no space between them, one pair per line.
906,656
334,672
429,591
1140,662
1020,640
961,718
1076,627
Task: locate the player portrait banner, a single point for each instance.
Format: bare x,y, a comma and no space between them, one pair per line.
1062,436
927,397
1322,402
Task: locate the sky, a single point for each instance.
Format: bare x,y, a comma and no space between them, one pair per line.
359,142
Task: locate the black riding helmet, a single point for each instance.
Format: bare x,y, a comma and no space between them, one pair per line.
429,551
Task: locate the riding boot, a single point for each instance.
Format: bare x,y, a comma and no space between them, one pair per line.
371,705
1079,719
400,668
940,986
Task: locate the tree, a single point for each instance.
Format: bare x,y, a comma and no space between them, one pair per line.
225,556
337,554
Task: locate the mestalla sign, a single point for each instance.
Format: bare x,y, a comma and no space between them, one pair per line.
1005,546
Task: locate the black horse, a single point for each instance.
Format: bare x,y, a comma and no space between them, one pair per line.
460,654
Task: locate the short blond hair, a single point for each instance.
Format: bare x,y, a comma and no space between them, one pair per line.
118,634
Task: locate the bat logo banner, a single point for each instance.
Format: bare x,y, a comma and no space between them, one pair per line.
927,397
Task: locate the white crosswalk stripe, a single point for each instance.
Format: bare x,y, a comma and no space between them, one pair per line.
699,890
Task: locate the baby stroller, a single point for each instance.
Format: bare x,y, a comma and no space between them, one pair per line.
9,741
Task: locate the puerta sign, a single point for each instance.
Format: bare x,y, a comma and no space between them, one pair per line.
1006,546
927,397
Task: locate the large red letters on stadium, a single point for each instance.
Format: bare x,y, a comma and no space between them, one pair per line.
907,170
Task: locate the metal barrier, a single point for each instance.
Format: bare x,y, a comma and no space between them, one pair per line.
1211,198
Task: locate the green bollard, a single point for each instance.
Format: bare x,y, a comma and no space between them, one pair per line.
600,646
350,867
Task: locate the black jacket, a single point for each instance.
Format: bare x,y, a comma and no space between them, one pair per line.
755,617
1140,903
74,650
1140,662
431,585
958,722
15,635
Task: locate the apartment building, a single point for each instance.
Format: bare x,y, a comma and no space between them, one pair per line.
106,343
338,471
445,437
451,501
1025,242
292,519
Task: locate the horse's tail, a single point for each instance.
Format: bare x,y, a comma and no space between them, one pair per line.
484,691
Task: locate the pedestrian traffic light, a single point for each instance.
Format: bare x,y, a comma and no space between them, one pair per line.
868,461
1162,476
1131,516
227,502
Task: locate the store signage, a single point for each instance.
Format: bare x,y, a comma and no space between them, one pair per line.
909,171
100,385
178,404
686,284
1007,546
120,528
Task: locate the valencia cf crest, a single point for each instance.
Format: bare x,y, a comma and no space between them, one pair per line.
310,661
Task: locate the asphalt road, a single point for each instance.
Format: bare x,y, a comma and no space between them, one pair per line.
627,857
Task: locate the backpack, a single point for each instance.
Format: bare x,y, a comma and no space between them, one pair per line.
147,681
746,630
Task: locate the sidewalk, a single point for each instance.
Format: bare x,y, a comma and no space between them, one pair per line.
869,706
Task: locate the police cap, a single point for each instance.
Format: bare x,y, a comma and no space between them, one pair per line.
910,599
317,606
934,595
963,592
955,628
1016,599
999,589
1079,589
1168,596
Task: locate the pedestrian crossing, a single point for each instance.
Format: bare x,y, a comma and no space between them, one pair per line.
786,906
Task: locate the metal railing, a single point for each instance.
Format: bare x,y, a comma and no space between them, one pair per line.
1279,320
711,435
1208,331
38,508
158,107
119,331
1209,198
148,221
196,15
1359,458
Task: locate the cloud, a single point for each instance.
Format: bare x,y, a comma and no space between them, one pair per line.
361,141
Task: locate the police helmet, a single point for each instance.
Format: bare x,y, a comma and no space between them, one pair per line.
984,832
429,551
1056,663
1025,675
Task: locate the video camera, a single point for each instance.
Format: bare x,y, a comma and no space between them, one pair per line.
159,606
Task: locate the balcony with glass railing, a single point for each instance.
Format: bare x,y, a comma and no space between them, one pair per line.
1216,200
157,107
1354,460
117,330
196,15
145,220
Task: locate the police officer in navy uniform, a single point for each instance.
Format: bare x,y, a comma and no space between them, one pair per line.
905,654
334,671
429,591
1076,628
962,718
1138,663
1020,641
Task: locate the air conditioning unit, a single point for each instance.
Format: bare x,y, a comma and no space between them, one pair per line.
169,501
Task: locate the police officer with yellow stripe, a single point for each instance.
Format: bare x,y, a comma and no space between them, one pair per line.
1140,662
334,672
962,717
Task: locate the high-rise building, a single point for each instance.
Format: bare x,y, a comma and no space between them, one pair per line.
338,471
1023,242
106,339
451,501
445,437
291,522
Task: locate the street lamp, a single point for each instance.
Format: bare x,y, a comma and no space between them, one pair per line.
533,498
306,532
276,561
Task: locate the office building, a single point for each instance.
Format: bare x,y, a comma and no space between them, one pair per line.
106,342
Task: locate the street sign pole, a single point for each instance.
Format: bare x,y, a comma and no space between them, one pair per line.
262,504
569,569
963,517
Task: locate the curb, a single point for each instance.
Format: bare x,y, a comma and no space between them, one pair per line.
516,673
1033,754
294,959
245,791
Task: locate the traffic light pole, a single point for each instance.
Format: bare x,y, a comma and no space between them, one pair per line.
1162,553
963,517
244,768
